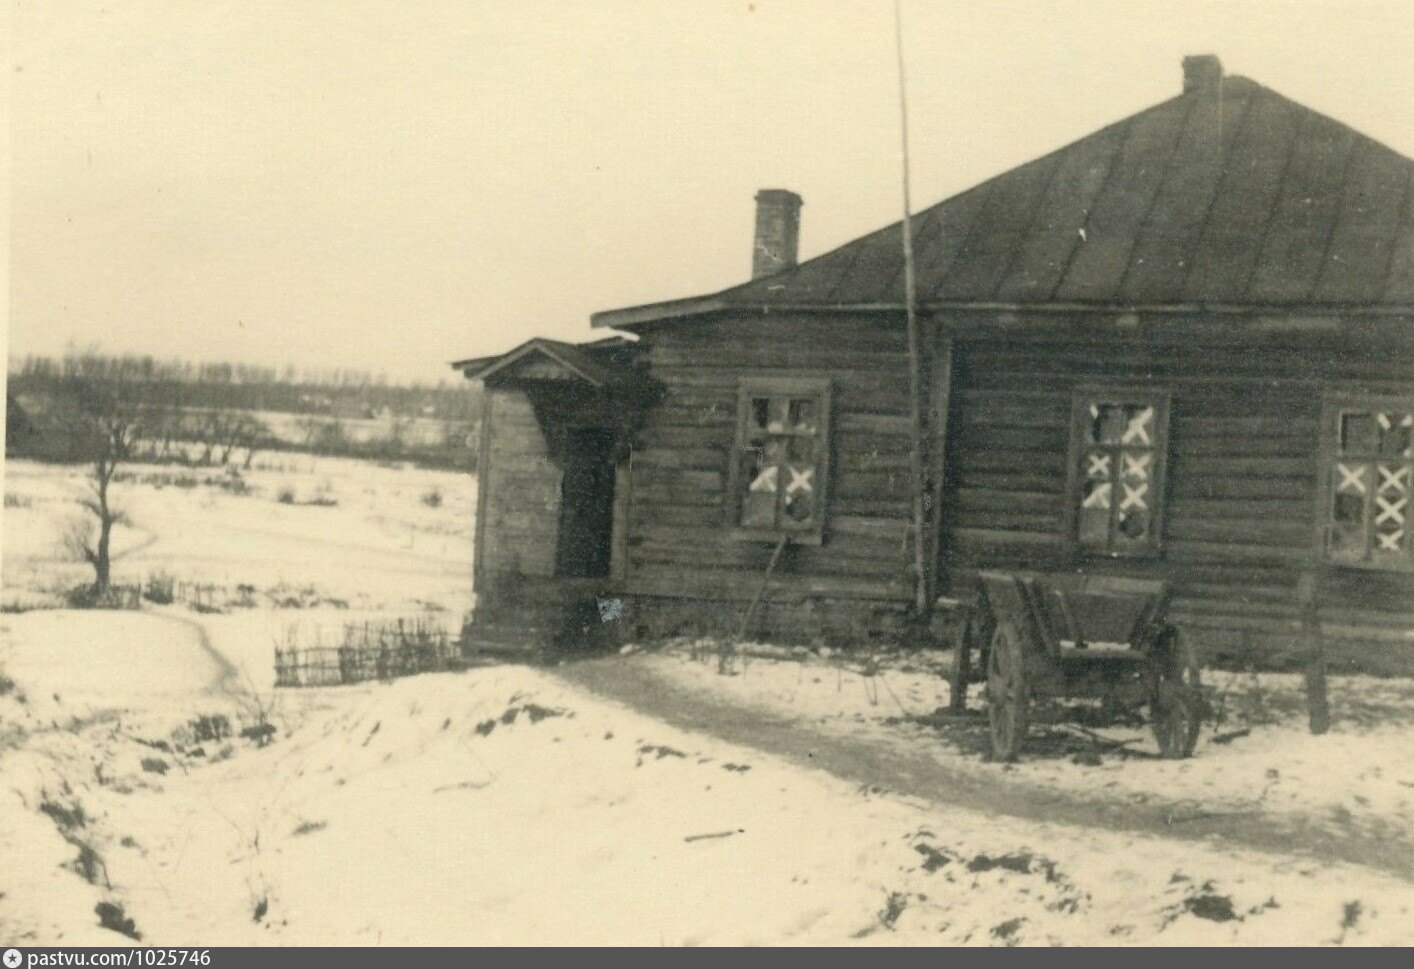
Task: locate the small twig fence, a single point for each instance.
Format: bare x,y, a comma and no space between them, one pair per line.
368,651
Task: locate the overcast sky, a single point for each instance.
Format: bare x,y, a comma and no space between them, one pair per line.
392,185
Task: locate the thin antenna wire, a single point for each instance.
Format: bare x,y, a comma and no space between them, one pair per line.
915,364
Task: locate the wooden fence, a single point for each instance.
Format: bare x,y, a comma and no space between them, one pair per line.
368,651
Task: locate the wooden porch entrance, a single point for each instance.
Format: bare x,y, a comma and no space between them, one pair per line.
585,545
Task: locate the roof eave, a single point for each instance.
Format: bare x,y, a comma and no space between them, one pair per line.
681,309
631,316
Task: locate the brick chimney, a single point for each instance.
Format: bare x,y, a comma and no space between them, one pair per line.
777,242
1200,71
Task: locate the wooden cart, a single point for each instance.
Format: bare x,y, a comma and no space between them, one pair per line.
1033,636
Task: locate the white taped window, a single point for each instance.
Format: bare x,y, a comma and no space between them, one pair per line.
1117,456
1370,476
780,461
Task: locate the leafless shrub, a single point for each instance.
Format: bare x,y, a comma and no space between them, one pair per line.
1243,701
113,917
70,820
160,589
115,597
324,496
210,728
256,713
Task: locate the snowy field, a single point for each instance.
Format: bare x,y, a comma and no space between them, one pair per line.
510,805
326,530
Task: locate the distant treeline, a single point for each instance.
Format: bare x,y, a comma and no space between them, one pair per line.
208,413
239,386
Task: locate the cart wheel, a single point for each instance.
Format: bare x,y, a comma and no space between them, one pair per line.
1008,695
1176,698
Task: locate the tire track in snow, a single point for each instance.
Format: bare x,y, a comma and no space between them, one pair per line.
915,773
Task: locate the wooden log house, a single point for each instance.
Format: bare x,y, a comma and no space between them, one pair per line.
1180,347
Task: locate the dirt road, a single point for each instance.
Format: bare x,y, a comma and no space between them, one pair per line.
988,789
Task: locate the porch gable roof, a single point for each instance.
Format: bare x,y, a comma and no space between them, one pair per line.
557,361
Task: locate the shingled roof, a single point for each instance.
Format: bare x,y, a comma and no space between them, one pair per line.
1230,194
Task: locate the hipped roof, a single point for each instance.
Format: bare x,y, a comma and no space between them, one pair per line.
1230,194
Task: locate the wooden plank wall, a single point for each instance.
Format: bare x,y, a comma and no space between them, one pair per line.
677,540
521,502
1240,523
1241,516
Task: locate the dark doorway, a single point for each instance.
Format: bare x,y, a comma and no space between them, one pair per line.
586,505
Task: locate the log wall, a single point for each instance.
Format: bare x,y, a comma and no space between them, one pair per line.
1241,521
1239,530
678,541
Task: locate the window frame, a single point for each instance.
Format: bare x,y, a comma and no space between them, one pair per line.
1161,399
774,387
1334,404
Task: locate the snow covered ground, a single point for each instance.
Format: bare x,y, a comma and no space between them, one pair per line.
1260,760
505,805
499,806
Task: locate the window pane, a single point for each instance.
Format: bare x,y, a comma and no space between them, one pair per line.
800,507
801,450
1095,528
1107,422
777,423
1395,435
1133,526
1095,495
1348,525
1138,426
760,413
1136,466
800,483
1351,479
1098,466
1357,432
758,510
802,415
758,504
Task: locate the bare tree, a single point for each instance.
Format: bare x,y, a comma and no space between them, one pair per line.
164,427
211,430
229,435
309,426
398,426
252,434
103,429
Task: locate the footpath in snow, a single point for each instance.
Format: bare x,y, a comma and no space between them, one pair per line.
1259,778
